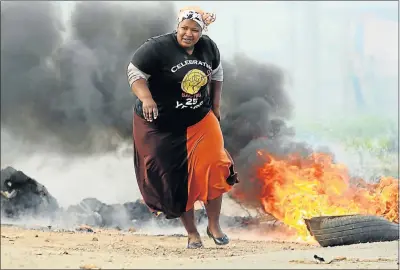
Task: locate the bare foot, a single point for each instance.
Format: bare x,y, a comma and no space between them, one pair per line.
194,237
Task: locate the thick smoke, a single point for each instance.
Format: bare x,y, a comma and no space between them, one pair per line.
71,85
256,102
257,107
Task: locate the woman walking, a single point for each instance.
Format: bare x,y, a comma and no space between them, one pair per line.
179,150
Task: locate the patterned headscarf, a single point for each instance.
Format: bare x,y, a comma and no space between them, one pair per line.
196,14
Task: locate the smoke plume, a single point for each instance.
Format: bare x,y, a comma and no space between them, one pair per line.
257,107
66,82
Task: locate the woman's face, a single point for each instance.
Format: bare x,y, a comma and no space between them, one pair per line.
188,33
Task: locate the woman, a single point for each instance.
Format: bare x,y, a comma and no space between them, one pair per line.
179,150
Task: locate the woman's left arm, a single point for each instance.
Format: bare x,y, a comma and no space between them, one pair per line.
217,79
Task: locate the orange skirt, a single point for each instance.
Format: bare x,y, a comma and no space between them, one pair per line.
174,169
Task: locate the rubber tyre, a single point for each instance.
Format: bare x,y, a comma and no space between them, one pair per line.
352,229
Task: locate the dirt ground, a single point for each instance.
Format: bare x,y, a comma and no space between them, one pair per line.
40,248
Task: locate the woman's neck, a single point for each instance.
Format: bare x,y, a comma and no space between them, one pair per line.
189,50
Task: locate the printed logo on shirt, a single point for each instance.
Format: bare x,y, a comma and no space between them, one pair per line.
193,81
191,84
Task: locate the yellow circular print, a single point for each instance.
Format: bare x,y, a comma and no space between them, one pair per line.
193,81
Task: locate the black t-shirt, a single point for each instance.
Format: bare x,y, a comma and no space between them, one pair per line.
178,81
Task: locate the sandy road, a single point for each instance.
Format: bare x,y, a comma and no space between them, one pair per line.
23,248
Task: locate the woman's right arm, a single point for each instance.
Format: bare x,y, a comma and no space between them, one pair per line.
142,65
138,82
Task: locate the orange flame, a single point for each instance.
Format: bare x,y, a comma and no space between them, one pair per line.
297,188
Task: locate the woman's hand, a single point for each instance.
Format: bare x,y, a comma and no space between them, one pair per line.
217,113
150,110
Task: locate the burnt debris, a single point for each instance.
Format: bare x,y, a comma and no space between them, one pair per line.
23,197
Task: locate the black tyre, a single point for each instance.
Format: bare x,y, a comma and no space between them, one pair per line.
352,229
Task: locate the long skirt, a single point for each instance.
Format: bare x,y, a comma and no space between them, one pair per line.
174,169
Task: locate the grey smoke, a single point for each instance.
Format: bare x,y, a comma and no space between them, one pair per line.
257,107
71,85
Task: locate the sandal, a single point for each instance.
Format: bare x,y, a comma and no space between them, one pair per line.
224,240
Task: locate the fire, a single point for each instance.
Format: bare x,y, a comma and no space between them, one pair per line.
296,188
